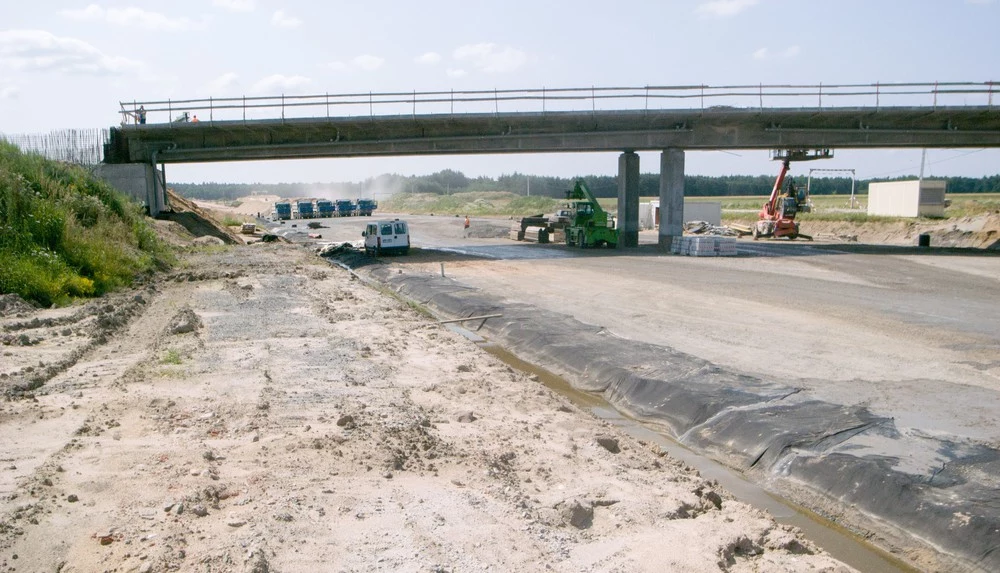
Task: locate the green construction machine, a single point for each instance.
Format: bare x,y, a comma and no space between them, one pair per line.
591,225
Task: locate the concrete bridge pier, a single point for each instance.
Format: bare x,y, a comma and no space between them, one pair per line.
628,199
671,196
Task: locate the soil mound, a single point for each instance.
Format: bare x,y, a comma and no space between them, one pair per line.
196,220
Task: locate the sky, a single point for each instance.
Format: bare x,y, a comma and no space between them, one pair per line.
66,64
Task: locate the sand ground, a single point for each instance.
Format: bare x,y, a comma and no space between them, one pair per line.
258,410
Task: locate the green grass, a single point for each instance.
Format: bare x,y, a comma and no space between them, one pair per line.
171,357
475,203
972,204
231,221
734,208
65,234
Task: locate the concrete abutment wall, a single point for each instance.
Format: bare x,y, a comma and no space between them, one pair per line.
140,181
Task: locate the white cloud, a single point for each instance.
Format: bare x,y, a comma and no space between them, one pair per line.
429,58
491,58
41,51
279,83
235,5
724,8
282,20
760,54
9,92
224,85
455,73
368,62
133,18
791,51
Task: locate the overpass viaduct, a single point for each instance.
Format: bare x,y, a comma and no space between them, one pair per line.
670,119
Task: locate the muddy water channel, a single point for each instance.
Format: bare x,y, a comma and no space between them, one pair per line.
836,540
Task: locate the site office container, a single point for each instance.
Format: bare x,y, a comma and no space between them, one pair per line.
907,198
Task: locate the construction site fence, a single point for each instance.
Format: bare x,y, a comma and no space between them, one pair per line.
80,146
705,98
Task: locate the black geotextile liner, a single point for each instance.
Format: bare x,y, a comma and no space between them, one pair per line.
755,424
760,436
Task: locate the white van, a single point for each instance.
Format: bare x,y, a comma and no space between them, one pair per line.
387,237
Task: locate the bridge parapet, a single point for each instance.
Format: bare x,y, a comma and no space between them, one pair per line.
702,98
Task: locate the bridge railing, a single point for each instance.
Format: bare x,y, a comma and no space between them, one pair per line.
542,100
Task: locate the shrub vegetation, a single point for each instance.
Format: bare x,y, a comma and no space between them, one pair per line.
66,234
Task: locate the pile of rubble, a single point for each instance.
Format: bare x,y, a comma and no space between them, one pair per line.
706,228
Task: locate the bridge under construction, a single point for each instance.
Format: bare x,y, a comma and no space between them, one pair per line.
671,119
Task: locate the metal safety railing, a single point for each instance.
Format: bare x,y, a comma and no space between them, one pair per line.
541,100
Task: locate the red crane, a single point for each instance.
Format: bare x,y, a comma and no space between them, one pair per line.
777,216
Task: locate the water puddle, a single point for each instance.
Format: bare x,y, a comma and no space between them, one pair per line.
834,539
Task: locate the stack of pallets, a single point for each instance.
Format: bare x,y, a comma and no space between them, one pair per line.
710,246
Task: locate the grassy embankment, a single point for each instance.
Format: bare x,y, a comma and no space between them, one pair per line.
473,203
734,209
66,234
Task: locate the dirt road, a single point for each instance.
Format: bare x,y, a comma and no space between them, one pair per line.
861,380
260,411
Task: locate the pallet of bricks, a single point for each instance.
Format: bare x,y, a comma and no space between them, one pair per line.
704,246
516,232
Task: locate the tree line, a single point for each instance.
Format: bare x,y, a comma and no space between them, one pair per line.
447,182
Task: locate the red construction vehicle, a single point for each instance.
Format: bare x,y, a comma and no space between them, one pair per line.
777,216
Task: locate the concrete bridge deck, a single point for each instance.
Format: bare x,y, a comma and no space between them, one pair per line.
566,120
233,140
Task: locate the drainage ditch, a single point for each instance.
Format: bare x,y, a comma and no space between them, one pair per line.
835,540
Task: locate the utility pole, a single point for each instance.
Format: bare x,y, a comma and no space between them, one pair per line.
529,185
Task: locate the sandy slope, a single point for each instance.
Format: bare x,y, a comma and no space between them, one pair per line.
261,411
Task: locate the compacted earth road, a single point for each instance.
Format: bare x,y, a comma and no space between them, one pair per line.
259,410
859,380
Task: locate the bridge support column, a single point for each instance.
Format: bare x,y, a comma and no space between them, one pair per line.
628,199
671,196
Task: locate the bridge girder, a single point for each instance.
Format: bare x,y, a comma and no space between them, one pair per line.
711,129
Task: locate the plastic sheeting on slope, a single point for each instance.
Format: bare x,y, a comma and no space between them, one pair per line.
846,454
